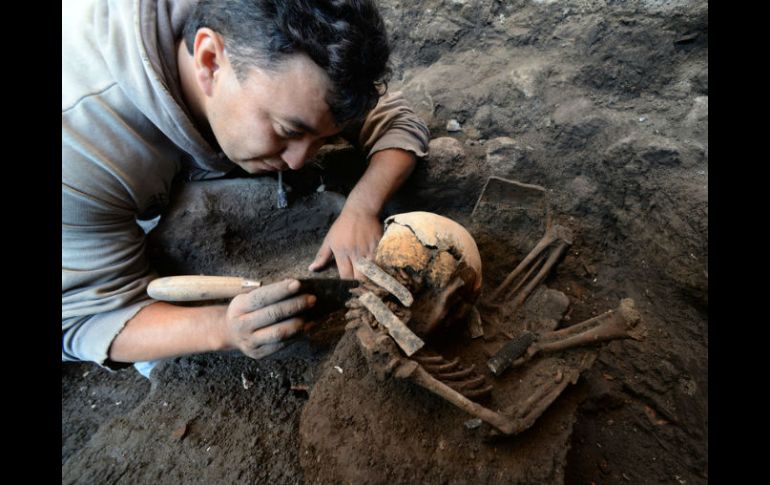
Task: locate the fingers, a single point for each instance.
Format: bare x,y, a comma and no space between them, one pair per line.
277,312
373,248
269,340
344,266
322,258
346,262
266,350
264,296
273,338
277,333
369,254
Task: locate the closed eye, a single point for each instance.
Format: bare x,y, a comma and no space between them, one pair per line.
287,133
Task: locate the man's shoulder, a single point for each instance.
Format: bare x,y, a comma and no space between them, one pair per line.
90,31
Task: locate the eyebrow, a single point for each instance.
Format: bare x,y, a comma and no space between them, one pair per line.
301,125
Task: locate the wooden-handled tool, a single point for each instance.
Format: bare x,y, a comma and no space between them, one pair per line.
198,288
331,293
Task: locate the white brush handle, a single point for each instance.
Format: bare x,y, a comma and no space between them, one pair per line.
197,288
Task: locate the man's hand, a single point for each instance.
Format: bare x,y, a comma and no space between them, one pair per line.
257,323
357,231
260,322
353,235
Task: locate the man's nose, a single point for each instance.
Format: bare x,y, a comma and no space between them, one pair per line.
296,153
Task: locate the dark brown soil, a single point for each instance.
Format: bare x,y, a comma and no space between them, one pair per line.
605,105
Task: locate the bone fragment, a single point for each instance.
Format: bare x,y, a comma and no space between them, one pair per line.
380,277
405,338
474,323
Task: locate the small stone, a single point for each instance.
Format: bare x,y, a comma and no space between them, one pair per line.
699,113
300,388
473,423
503,155
446,150
179,433
246,382
338,369
453,126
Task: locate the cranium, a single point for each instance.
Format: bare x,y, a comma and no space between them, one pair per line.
438,262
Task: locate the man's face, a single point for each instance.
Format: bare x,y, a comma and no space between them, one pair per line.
271,121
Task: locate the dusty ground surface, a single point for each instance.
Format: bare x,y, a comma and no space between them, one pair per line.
605,104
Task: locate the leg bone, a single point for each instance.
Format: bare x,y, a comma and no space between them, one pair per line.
526,414
556,233
623,322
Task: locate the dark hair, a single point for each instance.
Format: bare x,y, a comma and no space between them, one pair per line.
346,38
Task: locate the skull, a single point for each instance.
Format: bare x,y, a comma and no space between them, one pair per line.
438,261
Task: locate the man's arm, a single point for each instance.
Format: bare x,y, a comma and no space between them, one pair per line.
393,136
107,316
358,229
256,323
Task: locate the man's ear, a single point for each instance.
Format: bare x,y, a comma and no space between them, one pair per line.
209,56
